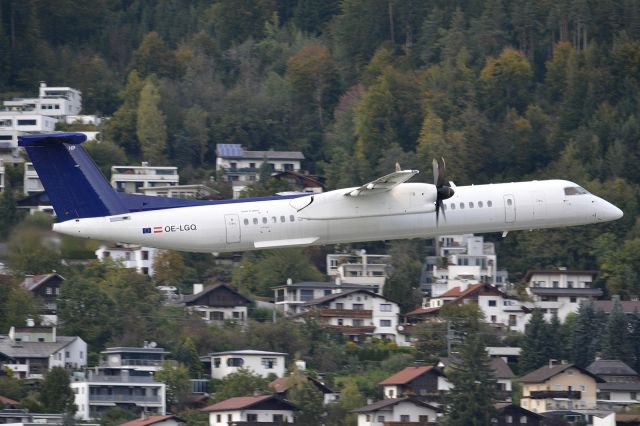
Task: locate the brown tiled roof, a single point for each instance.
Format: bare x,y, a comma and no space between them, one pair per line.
151,420
628,306
244,402
422,311
208,289
36,280
501,369
454,292
7,401
407,375
543,374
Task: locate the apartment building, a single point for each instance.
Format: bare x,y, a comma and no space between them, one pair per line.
132,179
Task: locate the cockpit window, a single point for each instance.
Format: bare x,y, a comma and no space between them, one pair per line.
575,190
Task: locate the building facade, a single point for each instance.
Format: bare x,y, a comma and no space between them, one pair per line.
262,363
218,304
132,256
290,297
132,179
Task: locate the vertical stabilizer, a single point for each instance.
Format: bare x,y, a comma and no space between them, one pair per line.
75,186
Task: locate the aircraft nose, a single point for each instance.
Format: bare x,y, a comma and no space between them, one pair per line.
609,212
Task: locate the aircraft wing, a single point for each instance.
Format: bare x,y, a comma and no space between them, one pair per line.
382,184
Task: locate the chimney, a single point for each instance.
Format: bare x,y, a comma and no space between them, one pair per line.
301,365
28,281
30,322
197,288
289,281
43,84
145,164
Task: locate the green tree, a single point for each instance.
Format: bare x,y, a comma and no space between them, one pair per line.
154,57
404,277
116,416
30,253
507,81
8,212
585,335
106,154
535,347
56,394
151,127
176,377
121,127
307,397
350,399
616,342
431,340
470,402
241,383
187,354
169,268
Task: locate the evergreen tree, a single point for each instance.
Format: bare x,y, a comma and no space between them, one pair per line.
616,342
151,127
535,352
187,354
470,402
634,338
56,395
8,212
585,336
307,397
176,377
404,277
241,383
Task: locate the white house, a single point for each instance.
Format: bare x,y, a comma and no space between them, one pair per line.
132,179
621,386
218,304
31,351
291,296
251,410
241,167
407,410
262,363
135,257
147,359
357,314
179,191
358,268
560,291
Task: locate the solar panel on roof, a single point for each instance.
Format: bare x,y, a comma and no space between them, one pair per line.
229,150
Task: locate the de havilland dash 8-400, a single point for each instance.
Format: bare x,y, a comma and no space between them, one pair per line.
385,209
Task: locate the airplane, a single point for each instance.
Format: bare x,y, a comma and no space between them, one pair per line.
387,208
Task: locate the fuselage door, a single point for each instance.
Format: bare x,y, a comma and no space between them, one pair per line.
232,225
509,208
539,206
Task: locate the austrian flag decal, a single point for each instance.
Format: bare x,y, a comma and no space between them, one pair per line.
157,229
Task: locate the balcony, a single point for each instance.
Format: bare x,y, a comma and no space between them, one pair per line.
155,399
346,313
352,329
549,394
120,379
133,362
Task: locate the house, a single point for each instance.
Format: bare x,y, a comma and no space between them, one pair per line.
262,363
168,420
132,179
422,381
8,403
560,291
501,372
281,387
302,182
132,256
559,387
402,411
358,268
241,167
499,309
31,351
514,415
356,314
629,307
218,303
249,410
621,386
290,297
200,192
22,417
47,288
458,261
123,378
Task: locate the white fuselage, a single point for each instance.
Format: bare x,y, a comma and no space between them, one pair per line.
405,211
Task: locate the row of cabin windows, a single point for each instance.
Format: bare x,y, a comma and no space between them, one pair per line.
274,219
480,204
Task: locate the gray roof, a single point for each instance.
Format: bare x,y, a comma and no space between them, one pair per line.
628,306
616,386
208,289
611,367
501,369
390,402
543,374
33,349
544,291
126,349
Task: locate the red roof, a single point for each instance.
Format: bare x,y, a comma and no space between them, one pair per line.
237,403
7,401
407,375
454,292
280,385
150,420
423,311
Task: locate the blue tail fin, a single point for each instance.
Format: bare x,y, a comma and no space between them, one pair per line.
75,186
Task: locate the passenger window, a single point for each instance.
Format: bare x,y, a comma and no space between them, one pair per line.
479,204
255,220
470,204
282,219
264,220
273,219
291,218
246,221
453,206
489,203
461,205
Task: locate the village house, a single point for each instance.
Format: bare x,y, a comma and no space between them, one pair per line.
359,267
282,385
357,314
47,288
559,387
31,351
291,296
262,363
168,420
218,304
251,410
425,381
620,388
132,256
401,411
514,415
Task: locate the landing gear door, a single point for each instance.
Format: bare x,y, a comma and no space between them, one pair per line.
509,208
232,225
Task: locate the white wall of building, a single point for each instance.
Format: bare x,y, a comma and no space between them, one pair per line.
261,363
73,355
412,411
224,418
136,257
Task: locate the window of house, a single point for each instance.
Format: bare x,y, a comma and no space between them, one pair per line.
278,418
573,299
216,363
144,270
492,302
385,307
269,362
235,362
508,419
219,418
252,165
145,255
327,292
48,290
404,418
358,323
217,316
229,417
385,323
340,321
513,320
368,418
339,305
494,319
555,284
381,419
523,420
26,122
358,306
569,284
306,295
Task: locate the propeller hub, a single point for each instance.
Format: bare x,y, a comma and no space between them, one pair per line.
445,192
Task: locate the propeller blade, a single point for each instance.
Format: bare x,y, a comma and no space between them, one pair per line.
437,212
436,172
442,171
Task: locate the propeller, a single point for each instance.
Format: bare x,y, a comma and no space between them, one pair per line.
443,191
